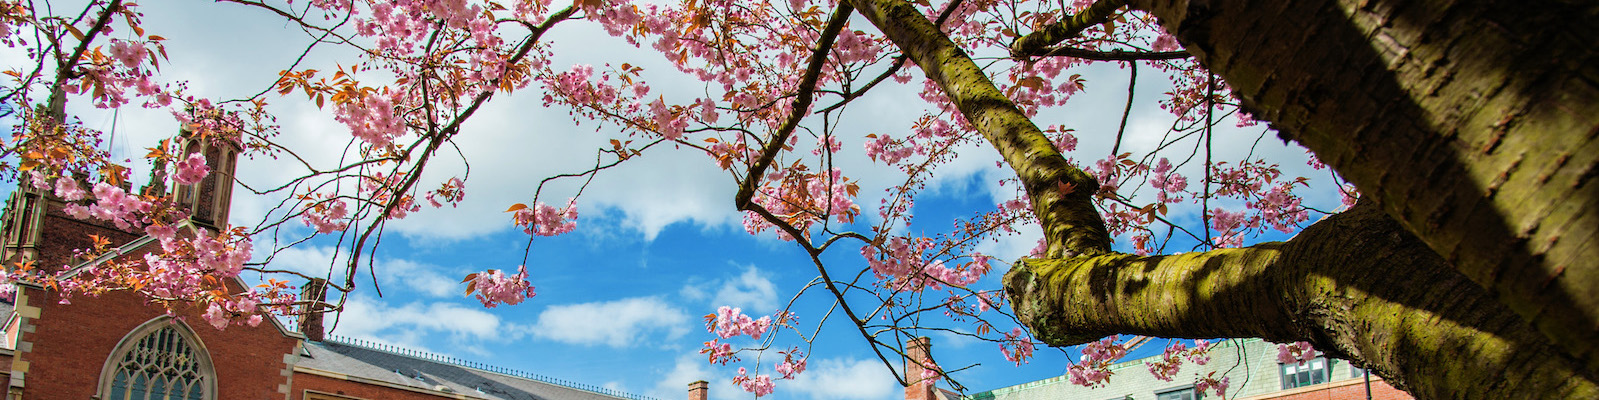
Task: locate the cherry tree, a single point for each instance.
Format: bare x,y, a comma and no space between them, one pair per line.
1455,251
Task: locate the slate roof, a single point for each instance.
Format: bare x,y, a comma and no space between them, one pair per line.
434,372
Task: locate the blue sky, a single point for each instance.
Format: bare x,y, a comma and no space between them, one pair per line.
658,243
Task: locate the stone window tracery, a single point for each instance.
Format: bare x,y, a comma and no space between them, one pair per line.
161,360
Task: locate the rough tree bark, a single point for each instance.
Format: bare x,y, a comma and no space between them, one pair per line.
1474,152
1475,123
1419,323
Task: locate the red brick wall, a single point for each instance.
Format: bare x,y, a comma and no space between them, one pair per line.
63,235
1379,391
72,342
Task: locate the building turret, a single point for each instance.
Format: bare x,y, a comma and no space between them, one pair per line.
207,201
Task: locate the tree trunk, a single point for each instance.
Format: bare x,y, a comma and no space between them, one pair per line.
1421,324
1360,285
1474,122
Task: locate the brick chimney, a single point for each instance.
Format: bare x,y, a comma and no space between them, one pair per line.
698,390
311,314
916,354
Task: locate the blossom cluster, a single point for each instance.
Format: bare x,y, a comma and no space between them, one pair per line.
1172,359
204,119
546,220
326,216
192,169
189,268
1210,382
1169,183
373,117
1268,202
904,262
453,191
383,188
718,353
760,385
494,287
803,199
219,313
793,363
111,204
108,78
730,321
1093,368
1016,346
1296,352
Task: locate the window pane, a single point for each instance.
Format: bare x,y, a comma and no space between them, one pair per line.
1312,372
1184,394
162,365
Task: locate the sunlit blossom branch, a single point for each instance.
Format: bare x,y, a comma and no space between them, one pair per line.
65,66
1067,28
899,62
447,131
747,189
303,54
1110,55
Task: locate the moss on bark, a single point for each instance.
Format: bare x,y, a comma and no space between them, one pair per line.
1356,285
1061,194
1469,160
1475,123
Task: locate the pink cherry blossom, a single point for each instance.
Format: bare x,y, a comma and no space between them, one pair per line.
68,189
730,321
115,205
130,54
327,216
192,169
1208,383
1093,368
38,180
494,287
760,385
1296,352
793,363
1016,346
718,353
545,220
215,316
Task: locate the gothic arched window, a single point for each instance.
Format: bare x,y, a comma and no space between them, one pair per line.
160,360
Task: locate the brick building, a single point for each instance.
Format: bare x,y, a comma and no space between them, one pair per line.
119,346
1250,365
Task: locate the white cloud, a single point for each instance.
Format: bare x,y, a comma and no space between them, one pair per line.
673,384
616,323
306,259
751,290
848,378
423,278
406,325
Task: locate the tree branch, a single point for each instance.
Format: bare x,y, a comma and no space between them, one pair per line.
1067,28
1494,167
1412,324
1061,194
802,103
1110,55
